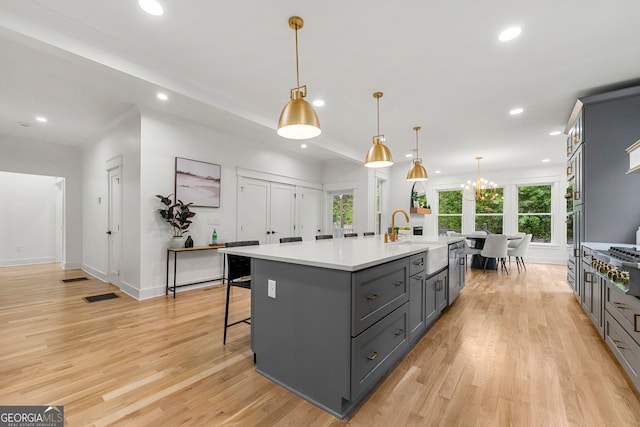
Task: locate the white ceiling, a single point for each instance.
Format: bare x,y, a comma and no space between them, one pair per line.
231,64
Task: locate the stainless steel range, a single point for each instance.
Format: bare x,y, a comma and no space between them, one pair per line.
621,265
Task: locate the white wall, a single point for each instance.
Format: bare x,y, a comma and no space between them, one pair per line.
120,138
43,158
164,138
509,179
28,222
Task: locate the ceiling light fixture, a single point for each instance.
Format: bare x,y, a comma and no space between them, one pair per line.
298,119
162,96
417,171
509,34
152,7
516,111
554,133
378,155
42,119
318,103
481,189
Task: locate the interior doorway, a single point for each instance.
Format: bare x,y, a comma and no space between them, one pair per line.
114,231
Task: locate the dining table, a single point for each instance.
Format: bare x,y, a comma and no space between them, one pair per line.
477,260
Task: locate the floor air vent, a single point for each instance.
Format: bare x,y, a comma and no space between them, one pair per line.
76,279
101,297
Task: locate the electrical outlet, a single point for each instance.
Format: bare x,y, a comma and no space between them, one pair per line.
271,288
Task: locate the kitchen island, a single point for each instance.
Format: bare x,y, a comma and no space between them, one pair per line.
331,317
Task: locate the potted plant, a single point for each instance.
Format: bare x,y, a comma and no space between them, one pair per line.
415,198
178,216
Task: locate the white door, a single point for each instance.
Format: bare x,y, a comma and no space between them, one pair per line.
253,209
114,226
265,210
282,208
310,213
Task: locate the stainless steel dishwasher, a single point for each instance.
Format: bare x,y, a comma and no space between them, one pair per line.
457,261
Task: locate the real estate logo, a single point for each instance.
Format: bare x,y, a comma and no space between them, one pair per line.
31,416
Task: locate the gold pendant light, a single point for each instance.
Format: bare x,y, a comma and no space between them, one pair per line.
378,155
417,171
298,119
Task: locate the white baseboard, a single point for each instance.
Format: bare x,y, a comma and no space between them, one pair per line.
94,272
26,261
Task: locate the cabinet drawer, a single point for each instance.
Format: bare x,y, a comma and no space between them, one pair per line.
623,347
587,255
417,263
376,350
377,291
625,309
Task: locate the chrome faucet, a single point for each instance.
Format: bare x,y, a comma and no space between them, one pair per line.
393,236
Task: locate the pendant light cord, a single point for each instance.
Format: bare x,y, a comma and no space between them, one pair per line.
378,108
297,68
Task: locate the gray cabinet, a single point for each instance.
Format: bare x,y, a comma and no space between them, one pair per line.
622,329
377,291
435,295
593,293
330,335
417,302
599,130
442,288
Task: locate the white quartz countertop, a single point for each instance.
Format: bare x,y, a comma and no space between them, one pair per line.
348,254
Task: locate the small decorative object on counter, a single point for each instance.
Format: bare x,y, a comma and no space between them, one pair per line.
188,243
214,237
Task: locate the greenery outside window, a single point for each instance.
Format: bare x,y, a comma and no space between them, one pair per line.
449,211
489,213
534,212
342,213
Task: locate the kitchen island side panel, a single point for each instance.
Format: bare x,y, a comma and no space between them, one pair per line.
301,337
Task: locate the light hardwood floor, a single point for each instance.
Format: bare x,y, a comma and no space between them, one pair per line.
513,350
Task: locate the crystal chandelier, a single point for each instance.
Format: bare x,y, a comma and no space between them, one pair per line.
481,189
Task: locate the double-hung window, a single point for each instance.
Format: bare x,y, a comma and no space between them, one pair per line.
449,211
490,213
534,212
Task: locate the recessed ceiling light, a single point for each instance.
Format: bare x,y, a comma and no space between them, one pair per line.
318,103
509,34
546,160
303,145
42,119
516,111
437,172
408,155
162,96
555,132
152,7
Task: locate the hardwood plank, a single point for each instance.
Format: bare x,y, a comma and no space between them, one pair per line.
513,350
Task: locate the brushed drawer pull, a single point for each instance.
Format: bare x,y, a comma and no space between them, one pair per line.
399,332
418,262
619,345
418,277
576,195
620,306
373,297
400,283
635,322
373,356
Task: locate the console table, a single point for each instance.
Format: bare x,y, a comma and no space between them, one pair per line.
175,264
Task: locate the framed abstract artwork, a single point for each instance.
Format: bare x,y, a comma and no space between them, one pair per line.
197,182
